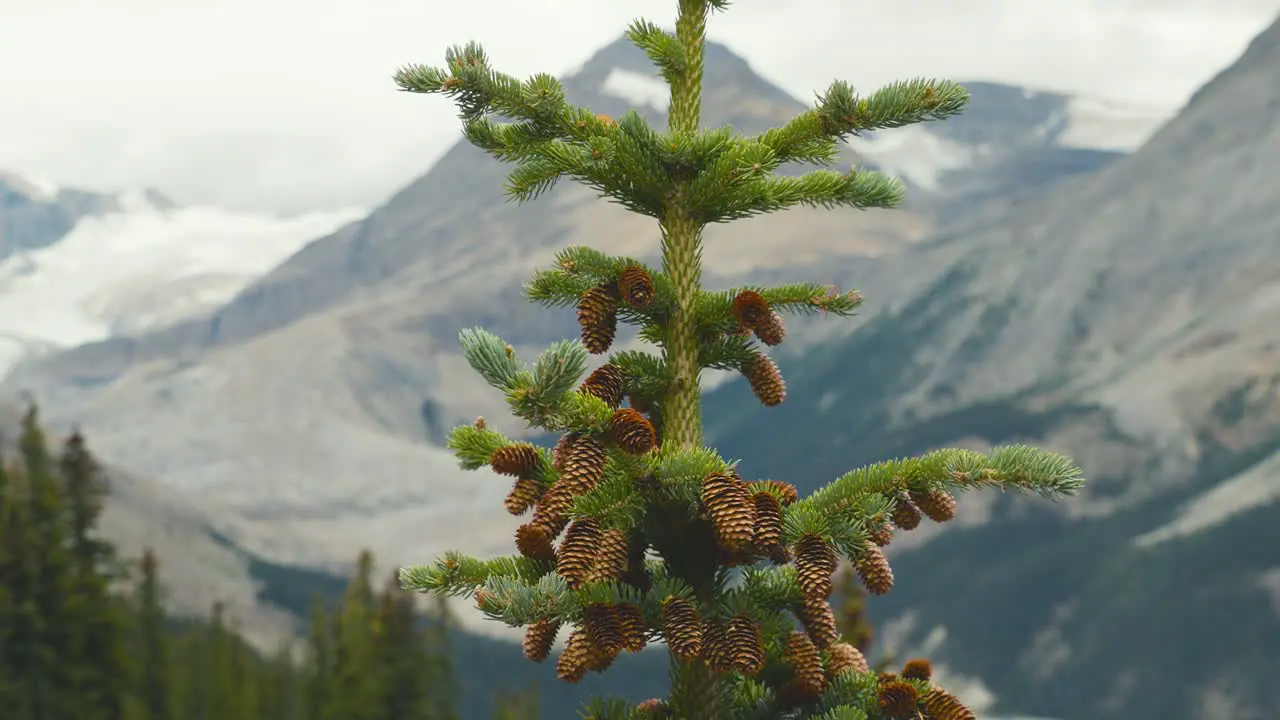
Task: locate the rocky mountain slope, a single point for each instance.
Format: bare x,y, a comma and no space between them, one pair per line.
1131,319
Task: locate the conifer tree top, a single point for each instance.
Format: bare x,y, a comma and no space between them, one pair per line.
638,531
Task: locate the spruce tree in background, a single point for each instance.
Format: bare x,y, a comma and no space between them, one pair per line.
155,686
738,563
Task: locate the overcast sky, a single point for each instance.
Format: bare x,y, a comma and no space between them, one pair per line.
287,105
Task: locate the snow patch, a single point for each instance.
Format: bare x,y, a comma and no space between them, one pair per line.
141,268
915,155
642,91
1099,124
1256,487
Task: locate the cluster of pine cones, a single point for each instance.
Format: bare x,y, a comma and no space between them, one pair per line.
598,307
598,320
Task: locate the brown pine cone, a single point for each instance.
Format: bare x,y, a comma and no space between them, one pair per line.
538,639
584,460
520,459
571,667
873,568
815,562
942,705
818,620
523,495
843,657
729,507
632,431
898,699
635,635
767,535
607,383
603,627
533,541
742,640
771,329
765,380
578,551
611,555
681,628
905,514
938,505
806,663
636,286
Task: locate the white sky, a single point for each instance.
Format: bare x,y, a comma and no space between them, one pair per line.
287,105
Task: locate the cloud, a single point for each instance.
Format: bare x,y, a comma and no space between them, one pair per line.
287,105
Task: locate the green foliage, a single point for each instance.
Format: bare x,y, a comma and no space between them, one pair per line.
637,480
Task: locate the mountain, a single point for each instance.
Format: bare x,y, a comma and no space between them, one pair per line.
35,215
1009,141
1129,318
78,266
307,413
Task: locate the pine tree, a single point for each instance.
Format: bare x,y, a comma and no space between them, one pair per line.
46,648
740,585
153,657
95,616
318,670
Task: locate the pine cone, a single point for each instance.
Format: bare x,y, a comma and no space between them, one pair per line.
815,562
942,705
873,568
572,664
765,380
652,709
746,653
806,663
905,514
729,507
750,308
538,639
681,628
819,621
767,535
599,661
584,459
606,382
898,699
843,657
559,452
523,495
917,669
715,647
611,555
578,551
551,511
534,542
603,628
635,634
598,317
632,431
519,459
771,330
882,534
940,506
636,286
786,492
